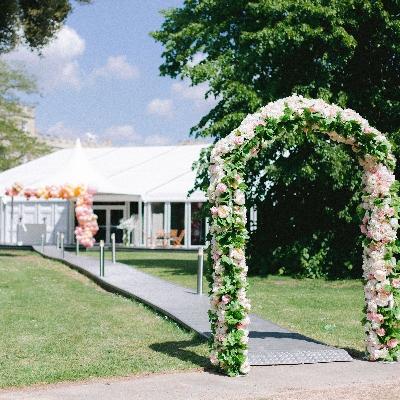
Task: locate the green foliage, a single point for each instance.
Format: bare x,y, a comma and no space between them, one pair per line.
31,22
306,201
16,145
251,53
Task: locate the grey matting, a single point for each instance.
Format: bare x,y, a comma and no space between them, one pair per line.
269,343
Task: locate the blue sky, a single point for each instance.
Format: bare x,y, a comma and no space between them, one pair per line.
100,77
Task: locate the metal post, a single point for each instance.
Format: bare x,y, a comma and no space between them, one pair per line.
200,272
77,246
58,240
113,247
62,246
42,242
101,257
12,217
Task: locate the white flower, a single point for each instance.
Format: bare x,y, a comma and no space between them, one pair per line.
236,254
239,197
224,211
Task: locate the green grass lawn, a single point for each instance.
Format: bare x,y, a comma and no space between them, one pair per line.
56,325
329,311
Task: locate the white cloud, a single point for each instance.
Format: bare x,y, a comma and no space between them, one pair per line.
117,67
59,129
121,135
157,140
195,93
59,67
198,57
161,107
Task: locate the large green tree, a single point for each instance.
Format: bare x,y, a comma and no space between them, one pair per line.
32,22
253,52
16,145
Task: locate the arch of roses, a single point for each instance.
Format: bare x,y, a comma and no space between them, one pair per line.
380,204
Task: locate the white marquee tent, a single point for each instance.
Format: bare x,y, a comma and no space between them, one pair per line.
149,184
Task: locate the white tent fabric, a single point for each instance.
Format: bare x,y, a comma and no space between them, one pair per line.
78,170
156,173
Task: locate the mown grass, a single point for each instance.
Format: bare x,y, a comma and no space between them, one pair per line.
56,325
328,311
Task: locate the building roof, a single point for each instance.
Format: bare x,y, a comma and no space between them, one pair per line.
156,173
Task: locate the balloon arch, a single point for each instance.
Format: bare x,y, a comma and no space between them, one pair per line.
229,305
87,220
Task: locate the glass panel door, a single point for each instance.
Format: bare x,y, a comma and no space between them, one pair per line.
102,222
177,223
116,216
198,233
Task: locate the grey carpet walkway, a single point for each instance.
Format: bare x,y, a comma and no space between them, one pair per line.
269,343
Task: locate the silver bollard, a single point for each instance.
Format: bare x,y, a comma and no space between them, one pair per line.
62,246
101,257
200,272
113,247
58,240
77,246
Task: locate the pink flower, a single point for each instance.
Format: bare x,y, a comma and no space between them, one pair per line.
225,299
221,187
380,332
261,123
238,140
222,337
214,210
396,283
363,229
216,257
392,343
390,212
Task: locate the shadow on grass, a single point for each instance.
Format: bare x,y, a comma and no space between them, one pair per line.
9,254
174,266
182,351
356,354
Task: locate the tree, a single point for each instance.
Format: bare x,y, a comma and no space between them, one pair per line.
32,22
16,145
254,52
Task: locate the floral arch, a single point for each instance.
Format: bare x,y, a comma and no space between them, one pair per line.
380,203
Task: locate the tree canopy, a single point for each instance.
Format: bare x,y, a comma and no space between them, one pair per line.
253,52
32,22
16,145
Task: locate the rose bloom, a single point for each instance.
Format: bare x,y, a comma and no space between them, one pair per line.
238,140
396,283
225,299
223,211
214,210
392,343
221,187
380,275
380,332
239,197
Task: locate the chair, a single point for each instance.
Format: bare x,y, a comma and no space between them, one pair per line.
149,240
173,234
160,237
177,241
